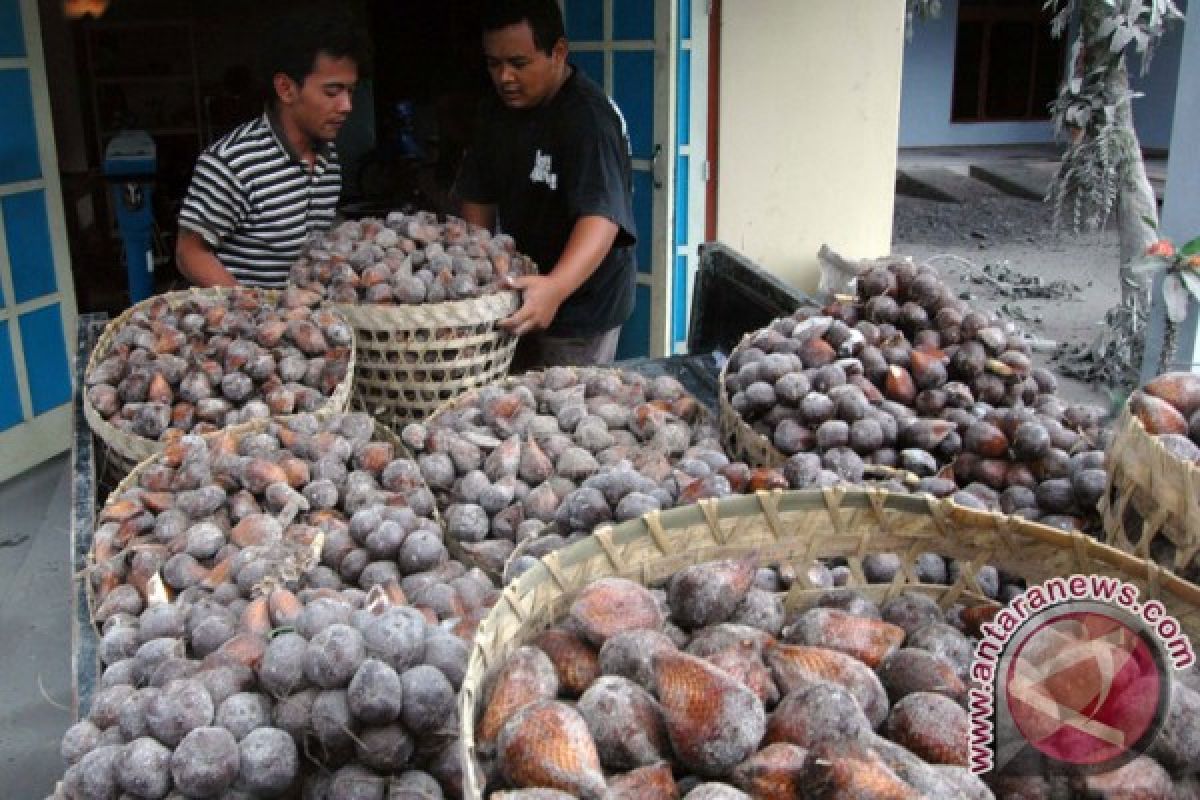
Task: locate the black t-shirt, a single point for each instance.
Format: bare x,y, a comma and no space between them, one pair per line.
543,168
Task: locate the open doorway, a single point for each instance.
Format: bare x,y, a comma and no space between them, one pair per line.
428,80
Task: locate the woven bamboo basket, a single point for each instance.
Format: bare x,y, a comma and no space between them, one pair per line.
123,451
798,528
703,416
414,358
129,481
1153,498
744,443
741,441
133,476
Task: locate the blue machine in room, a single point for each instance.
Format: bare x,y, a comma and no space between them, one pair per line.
130,163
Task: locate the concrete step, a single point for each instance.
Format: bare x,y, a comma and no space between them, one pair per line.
941,184
1029,180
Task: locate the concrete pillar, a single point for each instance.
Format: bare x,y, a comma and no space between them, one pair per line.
810,105
1181,204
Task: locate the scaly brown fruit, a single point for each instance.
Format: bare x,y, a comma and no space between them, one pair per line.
548,744
714,721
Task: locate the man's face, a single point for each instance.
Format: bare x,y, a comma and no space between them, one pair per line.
524,76
321,104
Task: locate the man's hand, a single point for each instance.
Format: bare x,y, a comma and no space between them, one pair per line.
198,263
541,297
590,240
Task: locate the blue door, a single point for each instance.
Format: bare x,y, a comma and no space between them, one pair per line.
644,54
623,46
37,297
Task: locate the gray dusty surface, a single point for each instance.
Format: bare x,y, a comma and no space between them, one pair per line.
35,641
994,228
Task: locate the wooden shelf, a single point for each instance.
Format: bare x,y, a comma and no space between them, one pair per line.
127,90
109,80
154,88
123,25
180,131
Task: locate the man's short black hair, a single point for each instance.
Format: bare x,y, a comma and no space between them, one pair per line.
543,16
291,44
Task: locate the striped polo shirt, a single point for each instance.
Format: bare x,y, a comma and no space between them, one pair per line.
256,202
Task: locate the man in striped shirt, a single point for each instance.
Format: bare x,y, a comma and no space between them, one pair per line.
259,192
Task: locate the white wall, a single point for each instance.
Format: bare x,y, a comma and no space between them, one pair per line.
809,108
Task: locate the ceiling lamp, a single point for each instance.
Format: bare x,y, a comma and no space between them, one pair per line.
77,9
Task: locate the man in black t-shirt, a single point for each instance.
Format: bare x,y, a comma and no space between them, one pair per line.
550,165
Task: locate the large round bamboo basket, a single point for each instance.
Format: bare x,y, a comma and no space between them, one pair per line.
414,358
123,451
133,477
703,417
744,443
797,528
1161,490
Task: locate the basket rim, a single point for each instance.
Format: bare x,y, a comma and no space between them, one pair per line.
499,304
1129,423
549,570
138,448
867,498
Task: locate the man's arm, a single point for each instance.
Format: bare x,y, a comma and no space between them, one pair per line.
213,208
198,263
590,240
481,214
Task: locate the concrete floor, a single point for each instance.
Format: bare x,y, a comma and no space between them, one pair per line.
35,627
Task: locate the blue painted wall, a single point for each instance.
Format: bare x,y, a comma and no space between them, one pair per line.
929,74
1154,114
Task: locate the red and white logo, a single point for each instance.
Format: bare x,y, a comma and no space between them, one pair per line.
1076,671
1084,688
